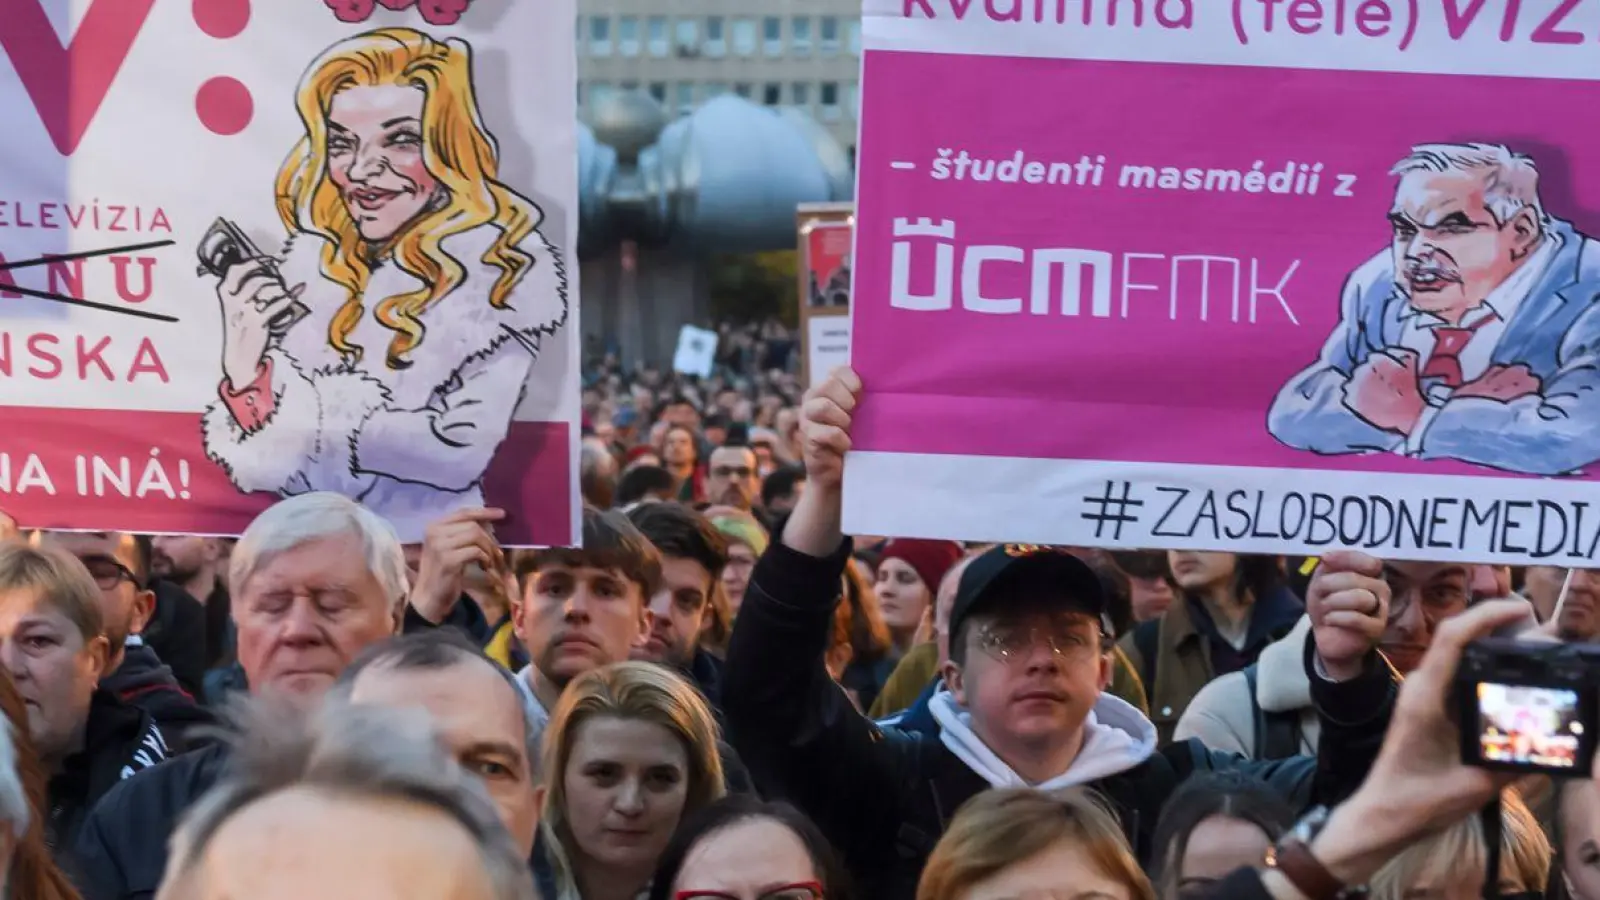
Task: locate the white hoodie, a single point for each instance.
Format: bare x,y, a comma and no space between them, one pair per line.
1117,737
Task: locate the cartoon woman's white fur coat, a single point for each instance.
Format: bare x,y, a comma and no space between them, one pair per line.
411,443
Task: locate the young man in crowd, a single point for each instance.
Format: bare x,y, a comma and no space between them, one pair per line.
1024,704
583,608
587,607
197,565
781,490
693,555
731,478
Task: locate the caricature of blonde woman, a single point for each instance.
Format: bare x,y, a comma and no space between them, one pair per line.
424,285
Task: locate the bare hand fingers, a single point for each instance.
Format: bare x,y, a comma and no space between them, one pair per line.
1351,561
1356,622
823,411
476,514
847,378
1329,583
1356,600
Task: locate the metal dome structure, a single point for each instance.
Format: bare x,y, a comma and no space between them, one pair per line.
725,179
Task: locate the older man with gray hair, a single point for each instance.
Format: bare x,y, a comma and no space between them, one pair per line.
315,580
1474,336
349,801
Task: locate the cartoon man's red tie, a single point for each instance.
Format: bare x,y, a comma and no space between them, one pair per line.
1444,363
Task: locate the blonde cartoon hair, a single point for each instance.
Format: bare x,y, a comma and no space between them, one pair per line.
457,150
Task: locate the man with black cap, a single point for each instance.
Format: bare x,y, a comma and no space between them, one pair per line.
1023,703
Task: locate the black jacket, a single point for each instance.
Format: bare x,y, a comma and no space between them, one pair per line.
884,796
119,741
121,851
144,681
705,673
177,633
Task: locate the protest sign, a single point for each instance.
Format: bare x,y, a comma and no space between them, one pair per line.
1251,275
696,353
251,249
826,231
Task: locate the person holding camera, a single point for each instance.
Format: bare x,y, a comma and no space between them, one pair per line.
1422,782
1023,703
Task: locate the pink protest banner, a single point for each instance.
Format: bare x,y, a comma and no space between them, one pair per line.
250,249
1249,274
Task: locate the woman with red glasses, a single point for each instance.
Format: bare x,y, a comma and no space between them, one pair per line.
741,848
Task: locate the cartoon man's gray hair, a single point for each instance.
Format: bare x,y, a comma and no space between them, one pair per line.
1511,179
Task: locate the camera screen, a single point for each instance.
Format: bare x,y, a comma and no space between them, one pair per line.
1529,726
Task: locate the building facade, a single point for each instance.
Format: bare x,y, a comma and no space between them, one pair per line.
801,53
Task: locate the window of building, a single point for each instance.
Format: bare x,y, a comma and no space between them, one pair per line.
800,36
716,39
580,92
629,84
772,94
688,36
772,36
599,36
656,35
743,89
744,37
658,90
800,94
828,95
628,35
685,97
852,36
828,35
600,92
715,89
580,36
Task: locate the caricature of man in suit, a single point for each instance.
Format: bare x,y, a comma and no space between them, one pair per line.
1475,337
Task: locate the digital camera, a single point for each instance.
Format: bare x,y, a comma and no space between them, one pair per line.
1529,707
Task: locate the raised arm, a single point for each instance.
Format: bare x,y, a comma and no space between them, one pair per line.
797,732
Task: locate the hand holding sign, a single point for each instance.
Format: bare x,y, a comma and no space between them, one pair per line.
449,546
1348,602
1385,391
825,428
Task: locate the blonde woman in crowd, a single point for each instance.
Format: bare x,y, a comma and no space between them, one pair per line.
630,750
1022,842
1450,865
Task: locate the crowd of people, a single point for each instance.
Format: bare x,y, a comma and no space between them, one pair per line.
722,696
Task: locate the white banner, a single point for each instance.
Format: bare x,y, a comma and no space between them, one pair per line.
250,249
